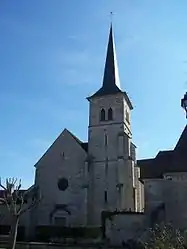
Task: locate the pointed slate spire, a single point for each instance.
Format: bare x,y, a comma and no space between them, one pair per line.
111,74
111,82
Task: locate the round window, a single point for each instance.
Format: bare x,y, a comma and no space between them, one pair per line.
62,184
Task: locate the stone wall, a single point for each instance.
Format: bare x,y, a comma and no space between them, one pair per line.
170,193
109,143
122,227
153,194
175,196
64,159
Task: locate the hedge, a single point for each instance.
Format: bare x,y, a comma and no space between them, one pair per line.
4,230
44,233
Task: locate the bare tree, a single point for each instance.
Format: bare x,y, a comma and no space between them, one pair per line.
17,202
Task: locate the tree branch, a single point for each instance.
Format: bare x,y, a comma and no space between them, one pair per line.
2,186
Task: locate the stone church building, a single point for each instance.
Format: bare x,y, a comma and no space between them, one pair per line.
79,180
101,174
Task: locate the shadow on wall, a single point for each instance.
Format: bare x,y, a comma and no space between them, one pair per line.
157,215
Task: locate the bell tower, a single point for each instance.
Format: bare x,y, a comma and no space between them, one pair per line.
111,167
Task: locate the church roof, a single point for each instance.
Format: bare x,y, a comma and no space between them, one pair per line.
111,81
84,145
166,161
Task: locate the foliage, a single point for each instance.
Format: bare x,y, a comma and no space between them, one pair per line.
164,237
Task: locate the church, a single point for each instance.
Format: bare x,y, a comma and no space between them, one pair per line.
87,178
79,180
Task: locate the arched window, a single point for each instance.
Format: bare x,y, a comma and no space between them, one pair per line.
102,115
110,114
106,199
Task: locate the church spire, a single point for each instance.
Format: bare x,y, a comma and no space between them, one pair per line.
111,82
111,75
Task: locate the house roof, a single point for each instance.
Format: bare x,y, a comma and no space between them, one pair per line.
166,161
84,145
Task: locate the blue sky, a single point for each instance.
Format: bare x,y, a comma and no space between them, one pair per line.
52,57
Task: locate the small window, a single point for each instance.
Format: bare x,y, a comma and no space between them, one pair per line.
62,155
106,197
110,114
120,194
106,140
102,115
134,197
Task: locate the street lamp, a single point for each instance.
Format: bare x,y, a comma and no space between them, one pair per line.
184,103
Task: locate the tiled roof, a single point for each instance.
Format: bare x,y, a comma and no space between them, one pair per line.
146,168
166,161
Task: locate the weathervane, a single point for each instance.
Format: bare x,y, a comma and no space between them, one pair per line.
184,100
111,16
